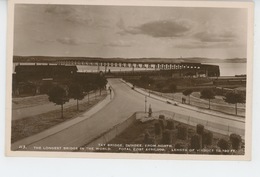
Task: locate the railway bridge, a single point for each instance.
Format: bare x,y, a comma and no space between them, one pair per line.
177,69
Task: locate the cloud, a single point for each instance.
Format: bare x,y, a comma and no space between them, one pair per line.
68,13
216,36
69,41
58,10
160,28
44,40
200,45
121,24
78,19
119,43
77,16
64,41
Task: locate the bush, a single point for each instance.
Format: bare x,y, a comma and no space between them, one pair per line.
45,88
167,137
200,129
182,132
162,123
157,128
223,144
207,138
235,141
162,117
180,147
172,87
159,86
170,124
215,151
196,142
148,139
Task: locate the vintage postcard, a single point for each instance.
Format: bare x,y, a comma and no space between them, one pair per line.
137,79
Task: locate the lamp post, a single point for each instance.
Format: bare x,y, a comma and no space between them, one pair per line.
145,101
110,92
149,89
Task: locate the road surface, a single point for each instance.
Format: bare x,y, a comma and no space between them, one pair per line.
202,103
127,101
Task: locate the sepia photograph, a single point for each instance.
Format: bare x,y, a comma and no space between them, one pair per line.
167,80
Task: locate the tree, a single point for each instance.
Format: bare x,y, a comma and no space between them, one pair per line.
59,96
87,87
234,98
207,94
76,92
101,83
187,92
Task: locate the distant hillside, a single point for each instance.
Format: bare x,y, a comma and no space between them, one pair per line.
190,60
49,59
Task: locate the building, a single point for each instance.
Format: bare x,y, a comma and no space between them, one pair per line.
39,72
35,79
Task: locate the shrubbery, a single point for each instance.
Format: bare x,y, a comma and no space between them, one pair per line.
196,142
207,138
157,128
182,132
45,88
200,129
180,147
148,139
170,124
162,121
167,137
223,144
161,117
235,141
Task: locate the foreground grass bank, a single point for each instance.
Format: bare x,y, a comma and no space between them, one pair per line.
29,126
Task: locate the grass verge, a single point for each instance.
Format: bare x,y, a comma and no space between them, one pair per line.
29,126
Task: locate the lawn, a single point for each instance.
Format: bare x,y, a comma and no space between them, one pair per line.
24,102
29,126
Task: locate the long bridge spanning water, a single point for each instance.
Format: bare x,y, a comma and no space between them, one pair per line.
180,69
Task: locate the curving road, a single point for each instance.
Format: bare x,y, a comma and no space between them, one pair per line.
127,101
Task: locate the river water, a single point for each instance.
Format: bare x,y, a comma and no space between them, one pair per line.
231,69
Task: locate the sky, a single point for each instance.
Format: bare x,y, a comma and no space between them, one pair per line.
129,32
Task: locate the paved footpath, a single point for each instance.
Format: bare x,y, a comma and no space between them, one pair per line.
188,107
